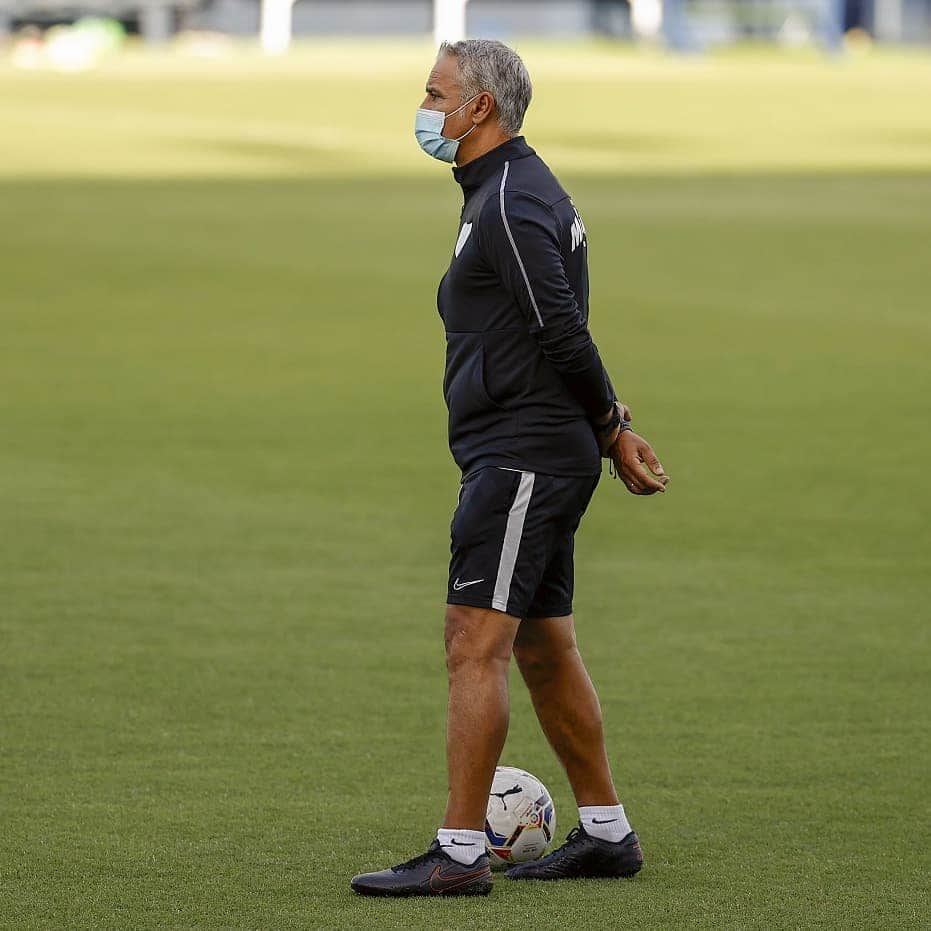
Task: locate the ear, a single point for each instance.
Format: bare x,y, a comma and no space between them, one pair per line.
483,107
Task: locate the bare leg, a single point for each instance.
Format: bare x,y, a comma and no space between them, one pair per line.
478,650
566,705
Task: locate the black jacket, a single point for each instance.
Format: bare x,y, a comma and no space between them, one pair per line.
523,378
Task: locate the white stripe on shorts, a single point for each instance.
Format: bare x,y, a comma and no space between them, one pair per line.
512,535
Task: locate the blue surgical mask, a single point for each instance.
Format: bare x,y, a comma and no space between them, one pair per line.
428,129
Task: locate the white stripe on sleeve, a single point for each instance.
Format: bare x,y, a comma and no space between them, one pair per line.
507,229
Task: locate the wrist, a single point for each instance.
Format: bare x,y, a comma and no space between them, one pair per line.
607,430
606,418
608,423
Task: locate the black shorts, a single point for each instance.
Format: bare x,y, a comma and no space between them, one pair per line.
513,539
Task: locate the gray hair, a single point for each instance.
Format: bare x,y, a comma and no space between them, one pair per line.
487,65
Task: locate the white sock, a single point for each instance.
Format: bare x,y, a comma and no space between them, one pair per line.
607,822
463,846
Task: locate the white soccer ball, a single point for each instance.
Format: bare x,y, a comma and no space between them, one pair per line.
520,820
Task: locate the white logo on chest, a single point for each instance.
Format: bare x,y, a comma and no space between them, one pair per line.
463,236
577,230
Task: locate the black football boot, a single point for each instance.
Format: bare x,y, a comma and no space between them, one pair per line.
432,873
584,857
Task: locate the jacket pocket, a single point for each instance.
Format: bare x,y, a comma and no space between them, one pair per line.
483,375
505,363
465,388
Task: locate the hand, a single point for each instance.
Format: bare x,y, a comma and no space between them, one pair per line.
632,455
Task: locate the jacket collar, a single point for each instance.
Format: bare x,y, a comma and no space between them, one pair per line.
479,170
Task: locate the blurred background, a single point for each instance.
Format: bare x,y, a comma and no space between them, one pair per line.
225,490
682,25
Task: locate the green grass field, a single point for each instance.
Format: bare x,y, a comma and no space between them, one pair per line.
225,491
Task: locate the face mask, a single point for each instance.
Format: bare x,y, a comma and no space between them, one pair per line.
428,129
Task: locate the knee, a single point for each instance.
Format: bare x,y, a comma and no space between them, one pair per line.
540,660
474,640
535,662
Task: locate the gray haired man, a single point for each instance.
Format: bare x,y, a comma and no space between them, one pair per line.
532,413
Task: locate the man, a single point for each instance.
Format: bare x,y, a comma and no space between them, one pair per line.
531,413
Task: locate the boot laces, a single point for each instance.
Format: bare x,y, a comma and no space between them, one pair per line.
414,862
572,840
574,835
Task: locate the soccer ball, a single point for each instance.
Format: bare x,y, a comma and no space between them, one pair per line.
520,820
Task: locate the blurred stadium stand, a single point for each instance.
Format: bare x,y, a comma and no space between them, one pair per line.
686,24
156,19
